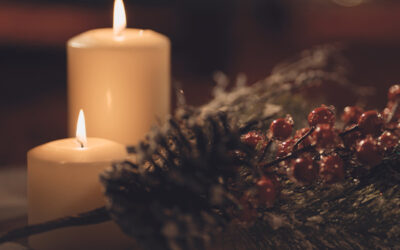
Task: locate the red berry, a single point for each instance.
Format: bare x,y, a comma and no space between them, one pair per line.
390,115
370,122
304,170
351,114
386,112
350,139
368,152
394,92
331,169
267,191
284,148
325,135
392,125
388,140
321,115
281,128
252,138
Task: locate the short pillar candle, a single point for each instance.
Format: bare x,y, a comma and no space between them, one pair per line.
63,180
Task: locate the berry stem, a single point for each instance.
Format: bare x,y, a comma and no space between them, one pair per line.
264,152
350,130
296,145
289,156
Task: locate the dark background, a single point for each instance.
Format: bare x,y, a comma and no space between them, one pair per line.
235,36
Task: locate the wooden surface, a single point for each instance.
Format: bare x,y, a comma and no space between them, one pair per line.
13,202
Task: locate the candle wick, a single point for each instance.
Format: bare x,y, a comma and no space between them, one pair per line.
81,143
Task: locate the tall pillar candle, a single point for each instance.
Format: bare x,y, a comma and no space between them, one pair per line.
121,78
63,180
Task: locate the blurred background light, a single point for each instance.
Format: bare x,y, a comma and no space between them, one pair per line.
234,36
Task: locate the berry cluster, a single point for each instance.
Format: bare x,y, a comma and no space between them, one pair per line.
313,154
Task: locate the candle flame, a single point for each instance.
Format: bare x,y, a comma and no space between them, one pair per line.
81,130
119,18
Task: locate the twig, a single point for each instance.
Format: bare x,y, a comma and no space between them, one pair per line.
288,156
96,216
350,130
296,145
265,150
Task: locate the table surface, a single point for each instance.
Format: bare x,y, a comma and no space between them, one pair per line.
13,202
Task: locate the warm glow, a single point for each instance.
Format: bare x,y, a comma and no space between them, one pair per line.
81,130
119,18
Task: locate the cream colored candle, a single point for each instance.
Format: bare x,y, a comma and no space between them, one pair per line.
63,180
121,78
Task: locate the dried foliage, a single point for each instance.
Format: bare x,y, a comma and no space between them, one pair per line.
182,191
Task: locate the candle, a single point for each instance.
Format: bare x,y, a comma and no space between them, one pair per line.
121,78
63,180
